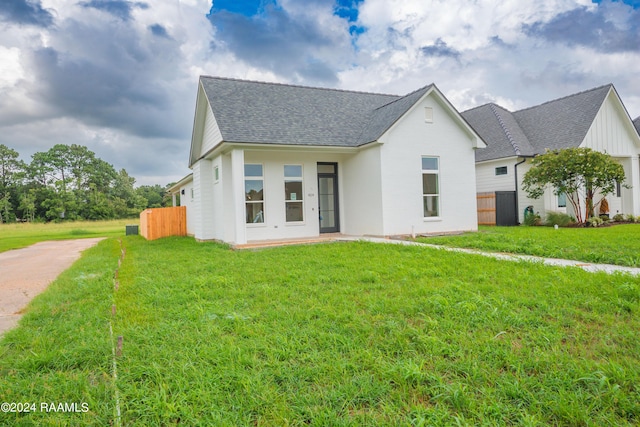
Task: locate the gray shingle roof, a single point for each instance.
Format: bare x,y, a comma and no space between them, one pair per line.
561,123
500,130
636,123
272,113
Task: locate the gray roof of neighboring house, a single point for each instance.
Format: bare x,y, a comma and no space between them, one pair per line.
500,130
561,123
273,113
636,123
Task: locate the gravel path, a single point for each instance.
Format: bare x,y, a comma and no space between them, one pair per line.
26,272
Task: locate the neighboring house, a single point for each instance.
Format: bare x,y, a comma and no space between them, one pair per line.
636,122
275,161
182,191
595,118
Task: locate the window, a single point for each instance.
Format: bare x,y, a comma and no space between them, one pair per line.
428,114
430,187
216,174
293,196
254,193
562,200
502,170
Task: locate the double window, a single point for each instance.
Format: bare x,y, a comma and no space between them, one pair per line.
293,196
254,193
431,186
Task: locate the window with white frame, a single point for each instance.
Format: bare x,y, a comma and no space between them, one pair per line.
254,193
562,200
431,186
293,193
216,174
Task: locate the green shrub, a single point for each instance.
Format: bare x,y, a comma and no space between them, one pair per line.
595,221
532,219
618,218
630,218
558,218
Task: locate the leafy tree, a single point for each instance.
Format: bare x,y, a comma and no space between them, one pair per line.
11,175
6,208
577,172
10,167
28,205
154,194
75,174
127,201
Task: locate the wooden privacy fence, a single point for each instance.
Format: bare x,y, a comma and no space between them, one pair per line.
162,222
486,208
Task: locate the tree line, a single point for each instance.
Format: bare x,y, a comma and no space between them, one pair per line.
69,182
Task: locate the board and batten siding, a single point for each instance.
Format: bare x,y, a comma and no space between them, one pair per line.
211,135
609,133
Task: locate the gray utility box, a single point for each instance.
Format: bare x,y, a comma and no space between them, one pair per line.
132,230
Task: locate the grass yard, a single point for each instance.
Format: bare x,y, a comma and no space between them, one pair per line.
14,236
342,334
619,244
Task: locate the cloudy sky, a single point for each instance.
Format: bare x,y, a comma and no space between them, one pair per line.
120,77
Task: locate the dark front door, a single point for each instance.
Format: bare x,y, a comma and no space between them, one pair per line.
328,197
506,211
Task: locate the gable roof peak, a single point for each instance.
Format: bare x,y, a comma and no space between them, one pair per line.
584,92
420,91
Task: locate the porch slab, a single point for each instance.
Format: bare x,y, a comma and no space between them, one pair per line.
324,238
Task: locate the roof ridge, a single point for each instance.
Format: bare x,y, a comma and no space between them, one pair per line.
488,104
296,86
609,85
513,143
404,96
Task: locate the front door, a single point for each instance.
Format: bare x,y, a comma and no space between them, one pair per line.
328,197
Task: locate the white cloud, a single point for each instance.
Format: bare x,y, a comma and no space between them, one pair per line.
122,85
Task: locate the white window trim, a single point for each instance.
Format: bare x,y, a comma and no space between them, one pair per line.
438,194
264,198
295,179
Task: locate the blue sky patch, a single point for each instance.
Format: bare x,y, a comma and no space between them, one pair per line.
633,3
348,9
244,7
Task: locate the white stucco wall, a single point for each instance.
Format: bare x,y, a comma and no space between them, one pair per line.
275,225
401,159
362,183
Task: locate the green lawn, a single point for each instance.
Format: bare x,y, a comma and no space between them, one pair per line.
342,334
14,236
619,244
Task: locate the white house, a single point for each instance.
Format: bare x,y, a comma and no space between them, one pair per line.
596,119
275,161
183,191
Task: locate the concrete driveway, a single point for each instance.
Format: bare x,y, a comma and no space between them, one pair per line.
24,273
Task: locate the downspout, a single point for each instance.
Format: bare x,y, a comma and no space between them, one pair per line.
515,172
